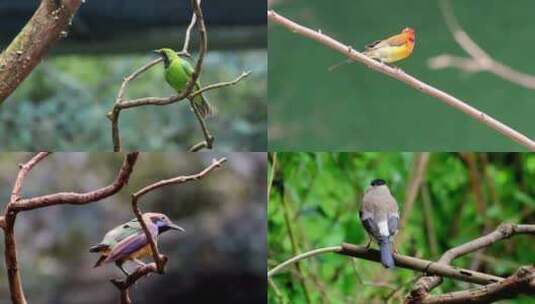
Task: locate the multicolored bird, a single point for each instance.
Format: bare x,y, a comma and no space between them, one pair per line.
178,72
395,48
128,242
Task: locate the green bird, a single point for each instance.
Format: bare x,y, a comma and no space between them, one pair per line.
178,72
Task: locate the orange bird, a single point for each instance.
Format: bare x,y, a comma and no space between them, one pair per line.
392,49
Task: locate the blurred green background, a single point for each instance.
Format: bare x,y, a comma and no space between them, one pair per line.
62,105
357,108
462,196
223,249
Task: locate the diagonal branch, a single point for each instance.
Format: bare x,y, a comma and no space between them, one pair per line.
504,231
33,42
479,60
158,266
409,80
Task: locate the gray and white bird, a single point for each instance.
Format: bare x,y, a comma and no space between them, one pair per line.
379,213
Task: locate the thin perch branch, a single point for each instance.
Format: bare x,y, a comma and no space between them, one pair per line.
158,266
400,75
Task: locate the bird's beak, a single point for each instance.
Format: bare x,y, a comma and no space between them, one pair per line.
175,227
157,52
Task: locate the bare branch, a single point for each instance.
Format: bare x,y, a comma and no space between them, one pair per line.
159,260
479,60
16,204
31,45
400,75
74,198
402,261
504,231
522,282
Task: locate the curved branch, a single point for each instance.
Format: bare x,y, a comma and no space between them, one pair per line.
302,256
522,282
402,261
16,205
409,80
425,284
28,49
158,266
479,60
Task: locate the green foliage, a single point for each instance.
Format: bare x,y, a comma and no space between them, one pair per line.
62,106
320,193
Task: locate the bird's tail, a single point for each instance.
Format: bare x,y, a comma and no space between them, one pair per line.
386,253
203,107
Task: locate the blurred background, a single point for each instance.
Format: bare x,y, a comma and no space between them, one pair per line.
355,108
461,196
62,105
221,256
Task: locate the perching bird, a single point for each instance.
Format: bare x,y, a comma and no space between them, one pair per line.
379,214
128,242
178,72
395,48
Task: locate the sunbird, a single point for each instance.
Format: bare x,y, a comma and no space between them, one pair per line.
379,214
395,48
128,242
178,72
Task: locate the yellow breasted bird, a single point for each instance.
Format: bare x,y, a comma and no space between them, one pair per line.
392,49
128,242
178,72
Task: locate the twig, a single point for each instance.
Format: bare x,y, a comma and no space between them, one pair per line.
16,205
302,256
400,75
479,60
158,266
420,290
33,42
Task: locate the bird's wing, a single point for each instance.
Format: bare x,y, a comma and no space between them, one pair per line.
120,232
131,244
187,67
368,223
393,223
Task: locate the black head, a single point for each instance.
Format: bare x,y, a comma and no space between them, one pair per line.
378,182
164,53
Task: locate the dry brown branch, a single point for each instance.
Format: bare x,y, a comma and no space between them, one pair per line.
400,75
47,25
521,282
121,103
402,261
16,204
479,60
160,260
422,287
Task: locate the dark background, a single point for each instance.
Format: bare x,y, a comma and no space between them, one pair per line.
220,258
355,108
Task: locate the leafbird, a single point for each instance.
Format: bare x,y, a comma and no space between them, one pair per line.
379,214
128,242
392,49
178,72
